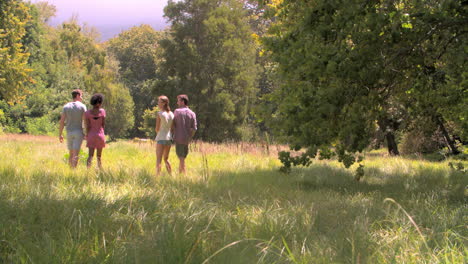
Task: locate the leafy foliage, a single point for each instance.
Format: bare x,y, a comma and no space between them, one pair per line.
14,71
118,102
211,57
62,59
149,122
138,52
40,126
349,67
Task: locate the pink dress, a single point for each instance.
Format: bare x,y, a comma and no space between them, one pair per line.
96,138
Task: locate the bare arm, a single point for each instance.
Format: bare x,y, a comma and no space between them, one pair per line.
193,128
158,124
87,126
173,126
62,125
83,123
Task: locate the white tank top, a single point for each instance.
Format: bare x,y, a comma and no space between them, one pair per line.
165,125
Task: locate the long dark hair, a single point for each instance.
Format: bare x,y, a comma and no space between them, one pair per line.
97,98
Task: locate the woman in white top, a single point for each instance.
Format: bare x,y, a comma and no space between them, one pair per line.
163,134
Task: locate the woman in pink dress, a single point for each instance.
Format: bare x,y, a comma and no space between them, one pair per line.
95,123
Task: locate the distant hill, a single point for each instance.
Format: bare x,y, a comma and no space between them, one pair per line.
109,31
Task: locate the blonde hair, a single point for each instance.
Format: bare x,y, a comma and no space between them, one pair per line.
165,101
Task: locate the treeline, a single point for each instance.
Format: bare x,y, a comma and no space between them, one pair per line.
333,76
40,66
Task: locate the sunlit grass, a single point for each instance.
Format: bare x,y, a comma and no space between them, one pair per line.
233,206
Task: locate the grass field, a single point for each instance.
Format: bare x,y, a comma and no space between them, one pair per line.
232,207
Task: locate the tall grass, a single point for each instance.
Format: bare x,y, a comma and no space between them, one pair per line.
233,206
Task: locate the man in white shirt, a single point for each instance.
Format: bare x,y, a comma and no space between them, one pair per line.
72,117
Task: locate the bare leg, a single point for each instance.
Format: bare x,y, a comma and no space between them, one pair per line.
90,157
74,157
70,158
99,154
166,159
159,154
182,165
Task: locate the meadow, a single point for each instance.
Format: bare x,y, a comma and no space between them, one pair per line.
233,206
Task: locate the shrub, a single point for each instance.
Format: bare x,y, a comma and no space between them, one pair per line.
417,142
40,126
11,129
422,137
248,133
149,122
2,117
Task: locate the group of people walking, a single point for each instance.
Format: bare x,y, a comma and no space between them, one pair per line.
178,127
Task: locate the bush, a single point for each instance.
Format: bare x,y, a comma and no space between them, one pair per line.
2,117
250,133
11,129
417,142
40,126
149,122
2,121
422,137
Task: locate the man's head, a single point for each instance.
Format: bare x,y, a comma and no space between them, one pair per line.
182,100
77,95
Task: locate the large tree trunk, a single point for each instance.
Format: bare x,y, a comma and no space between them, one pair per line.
391,144
448,140
388,127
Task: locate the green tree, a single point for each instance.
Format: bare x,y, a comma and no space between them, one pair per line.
37,43
149,122
119,107
137,52
63,59
139,55
211,57
348,68
438,88
45,11
118,102
268,80
14,71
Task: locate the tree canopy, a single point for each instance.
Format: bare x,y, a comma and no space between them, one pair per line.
58,60
14,71
139,54
210,56
351,67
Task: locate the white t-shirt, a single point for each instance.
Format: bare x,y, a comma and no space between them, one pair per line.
165,125
74,117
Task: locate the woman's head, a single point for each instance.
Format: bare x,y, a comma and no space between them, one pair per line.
97,99
163,103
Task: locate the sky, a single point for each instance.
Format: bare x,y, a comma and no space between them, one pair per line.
110,17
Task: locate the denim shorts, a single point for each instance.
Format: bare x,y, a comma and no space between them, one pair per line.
74,140
165,142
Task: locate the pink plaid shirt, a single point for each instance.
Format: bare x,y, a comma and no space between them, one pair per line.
185,121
